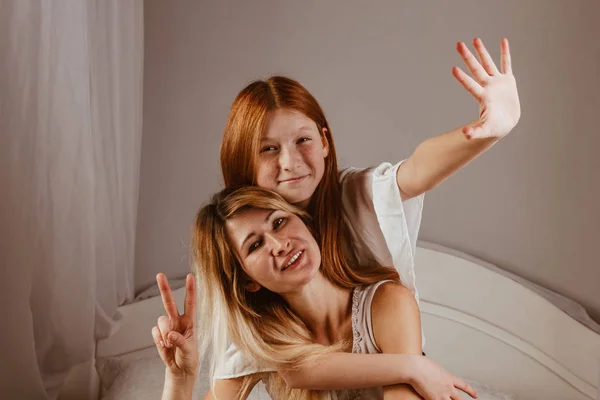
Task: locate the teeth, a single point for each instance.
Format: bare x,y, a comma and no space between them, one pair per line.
293,259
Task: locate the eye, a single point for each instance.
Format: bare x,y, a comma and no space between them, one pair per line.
254,246
304,140
268,148
278,222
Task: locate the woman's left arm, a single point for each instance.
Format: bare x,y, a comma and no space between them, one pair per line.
438,157
396,323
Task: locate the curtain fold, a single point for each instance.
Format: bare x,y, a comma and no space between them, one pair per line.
70,143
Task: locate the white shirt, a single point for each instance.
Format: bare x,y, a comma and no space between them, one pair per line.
384,230
384,227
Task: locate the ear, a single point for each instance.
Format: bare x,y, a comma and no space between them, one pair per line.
252,287
325,143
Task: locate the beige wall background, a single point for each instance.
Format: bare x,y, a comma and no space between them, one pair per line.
382,72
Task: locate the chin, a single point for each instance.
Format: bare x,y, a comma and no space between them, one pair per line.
299,200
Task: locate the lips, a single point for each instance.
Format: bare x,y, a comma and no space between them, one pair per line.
292,259
293,180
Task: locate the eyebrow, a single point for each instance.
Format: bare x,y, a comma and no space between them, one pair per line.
302,128
254,233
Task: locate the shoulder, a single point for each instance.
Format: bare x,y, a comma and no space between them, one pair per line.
357,184
396,319
354,175
232,388
393,297
225,388
360,185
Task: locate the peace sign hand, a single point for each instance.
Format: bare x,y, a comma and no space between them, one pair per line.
175,334
495,91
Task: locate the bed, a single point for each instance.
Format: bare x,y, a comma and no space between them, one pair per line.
509,337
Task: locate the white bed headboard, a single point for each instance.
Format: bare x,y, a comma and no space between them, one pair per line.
521,341
478,323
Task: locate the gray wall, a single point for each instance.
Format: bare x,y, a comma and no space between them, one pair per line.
382,72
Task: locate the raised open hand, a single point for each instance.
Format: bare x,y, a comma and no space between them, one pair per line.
495,90
175,334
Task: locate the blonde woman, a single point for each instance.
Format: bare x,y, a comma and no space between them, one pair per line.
265,287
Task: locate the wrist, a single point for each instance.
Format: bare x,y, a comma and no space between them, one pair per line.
180,383
408,368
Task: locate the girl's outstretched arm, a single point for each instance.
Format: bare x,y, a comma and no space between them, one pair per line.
495,90
336,371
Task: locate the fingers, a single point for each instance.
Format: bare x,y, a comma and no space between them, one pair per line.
465,387
189,306
160,345
167,296
476,69
165,338
476,131
158,340
473,87
505,62
164,327
177,339
484,56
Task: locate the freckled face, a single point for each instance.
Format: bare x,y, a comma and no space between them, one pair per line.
292,156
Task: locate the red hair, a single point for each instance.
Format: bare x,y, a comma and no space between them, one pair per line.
240,147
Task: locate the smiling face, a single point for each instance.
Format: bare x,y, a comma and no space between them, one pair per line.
275,248
292,156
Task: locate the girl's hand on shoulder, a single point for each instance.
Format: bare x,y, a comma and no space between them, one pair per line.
175,334
495,90
433,382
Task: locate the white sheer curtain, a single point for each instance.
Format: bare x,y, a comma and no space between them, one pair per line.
70,142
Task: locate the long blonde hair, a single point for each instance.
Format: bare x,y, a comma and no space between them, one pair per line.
240,147
260,324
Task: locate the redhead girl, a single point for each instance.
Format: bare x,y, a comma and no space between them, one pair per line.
277,137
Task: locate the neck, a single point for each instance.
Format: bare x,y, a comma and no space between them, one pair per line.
326,309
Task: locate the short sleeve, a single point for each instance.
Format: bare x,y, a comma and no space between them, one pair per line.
384,227
236,364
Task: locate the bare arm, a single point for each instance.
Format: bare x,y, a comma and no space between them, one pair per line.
337,371
436,159
352,371
226,389
397,329
177,388
495,90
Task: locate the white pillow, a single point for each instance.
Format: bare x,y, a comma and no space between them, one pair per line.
141,375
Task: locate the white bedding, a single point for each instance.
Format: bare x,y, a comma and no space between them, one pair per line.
480,323
140,375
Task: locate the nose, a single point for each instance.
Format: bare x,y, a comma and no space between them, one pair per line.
289,158
280,245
